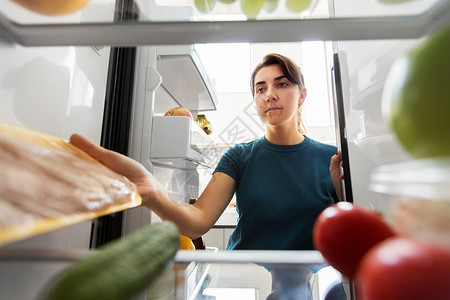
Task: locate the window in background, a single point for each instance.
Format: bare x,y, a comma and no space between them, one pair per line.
229,67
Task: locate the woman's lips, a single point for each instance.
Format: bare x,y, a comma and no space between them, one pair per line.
272,109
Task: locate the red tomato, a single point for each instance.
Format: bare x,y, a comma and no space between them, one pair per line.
404,269
344,232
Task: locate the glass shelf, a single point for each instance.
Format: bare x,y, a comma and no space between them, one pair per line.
150,22
102,11
192,275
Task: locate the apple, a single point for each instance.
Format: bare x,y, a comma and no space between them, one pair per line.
298,5
251,8
53,7
393,1
179,111
204,5
416,97
270,5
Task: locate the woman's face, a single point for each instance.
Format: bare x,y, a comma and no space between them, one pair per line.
277,99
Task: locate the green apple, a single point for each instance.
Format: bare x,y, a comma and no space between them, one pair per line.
298,5
270,5
251,8
393,1
204,5
416,97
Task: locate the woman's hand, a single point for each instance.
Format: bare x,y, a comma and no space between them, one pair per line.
147,186
192,220
335,164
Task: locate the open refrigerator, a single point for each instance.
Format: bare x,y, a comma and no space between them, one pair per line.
112,69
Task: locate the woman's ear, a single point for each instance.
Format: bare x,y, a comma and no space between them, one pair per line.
302,98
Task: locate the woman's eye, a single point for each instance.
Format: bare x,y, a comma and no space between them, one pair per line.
260,90
282,84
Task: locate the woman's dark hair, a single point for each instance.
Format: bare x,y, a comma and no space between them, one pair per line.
288,67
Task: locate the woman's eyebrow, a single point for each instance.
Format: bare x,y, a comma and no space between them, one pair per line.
279,77
275,79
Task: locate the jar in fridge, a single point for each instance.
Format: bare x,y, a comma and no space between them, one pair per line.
420,194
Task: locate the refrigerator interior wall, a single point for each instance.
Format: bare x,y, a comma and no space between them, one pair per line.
55,90
58,91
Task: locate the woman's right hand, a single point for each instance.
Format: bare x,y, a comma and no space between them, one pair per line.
147,186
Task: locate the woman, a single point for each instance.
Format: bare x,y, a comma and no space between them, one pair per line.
282,181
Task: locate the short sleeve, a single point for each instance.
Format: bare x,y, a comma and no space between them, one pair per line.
229,163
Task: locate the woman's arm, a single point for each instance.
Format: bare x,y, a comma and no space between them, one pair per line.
195,220
192,220
335,163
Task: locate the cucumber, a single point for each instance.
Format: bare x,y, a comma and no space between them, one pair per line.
122,268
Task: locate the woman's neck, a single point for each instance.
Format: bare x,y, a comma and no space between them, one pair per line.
280,136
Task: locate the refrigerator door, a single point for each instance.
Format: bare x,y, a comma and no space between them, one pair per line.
365,137
359,73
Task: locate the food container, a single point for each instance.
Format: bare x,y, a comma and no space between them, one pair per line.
420,194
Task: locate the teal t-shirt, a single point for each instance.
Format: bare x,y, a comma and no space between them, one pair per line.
281,189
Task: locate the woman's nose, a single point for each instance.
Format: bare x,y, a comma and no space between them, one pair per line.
271,97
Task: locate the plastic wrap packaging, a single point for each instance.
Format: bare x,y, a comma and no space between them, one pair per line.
47,183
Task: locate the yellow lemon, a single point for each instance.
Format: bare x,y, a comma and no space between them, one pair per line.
186,243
